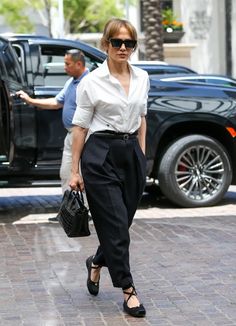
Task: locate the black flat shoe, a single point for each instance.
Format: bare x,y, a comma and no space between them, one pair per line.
93,287
138,311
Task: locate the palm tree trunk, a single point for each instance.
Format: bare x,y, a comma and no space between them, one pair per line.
152,22
228,28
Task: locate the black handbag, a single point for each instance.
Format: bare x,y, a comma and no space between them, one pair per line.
73,214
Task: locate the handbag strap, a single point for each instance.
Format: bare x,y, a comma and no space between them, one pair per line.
79,195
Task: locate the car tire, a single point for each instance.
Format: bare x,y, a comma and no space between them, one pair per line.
195,171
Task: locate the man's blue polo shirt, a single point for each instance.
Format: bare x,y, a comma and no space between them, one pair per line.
67,97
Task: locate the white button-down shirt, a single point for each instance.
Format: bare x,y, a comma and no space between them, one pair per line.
102,103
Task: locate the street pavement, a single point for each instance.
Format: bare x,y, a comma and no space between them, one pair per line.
183,263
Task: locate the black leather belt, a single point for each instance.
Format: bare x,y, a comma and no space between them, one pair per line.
115,135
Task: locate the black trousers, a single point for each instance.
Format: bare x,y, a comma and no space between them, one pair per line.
114,173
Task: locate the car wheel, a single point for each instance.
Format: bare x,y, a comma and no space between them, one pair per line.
195,171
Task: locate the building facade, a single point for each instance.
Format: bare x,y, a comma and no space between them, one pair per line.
208,44
205,26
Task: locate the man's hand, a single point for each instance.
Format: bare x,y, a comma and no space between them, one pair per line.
25,97
76,182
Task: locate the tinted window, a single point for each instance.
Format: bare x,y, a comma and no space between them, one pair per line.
165,69
223,82
192,80
11,65
179,70
20,55
2,72
52,59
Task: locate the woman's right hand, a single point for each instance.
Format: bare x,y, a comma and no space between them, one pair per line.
76,182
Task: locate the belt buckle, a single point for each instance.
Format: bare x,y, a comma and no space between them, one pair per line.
126,136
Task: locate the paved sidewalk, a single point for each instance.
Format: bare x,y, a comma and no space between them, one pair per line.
25,205
184,269
183,266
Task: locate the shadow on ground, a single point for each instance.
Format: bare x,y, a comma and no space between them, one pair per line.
16,207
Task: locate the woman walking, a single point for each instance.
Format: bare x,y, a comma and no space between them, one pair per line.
111,109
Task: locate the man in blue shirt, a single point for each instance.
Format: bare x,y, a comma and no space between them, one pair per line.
75,67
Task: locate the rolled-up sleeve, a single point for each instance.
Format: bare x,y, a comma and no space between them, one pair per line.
84,105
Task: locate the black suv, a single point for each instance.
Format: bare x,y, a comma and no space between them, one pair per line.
191,135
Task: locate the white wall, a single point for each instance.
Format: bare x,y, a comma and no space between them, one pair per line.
233,37
205,40
204,25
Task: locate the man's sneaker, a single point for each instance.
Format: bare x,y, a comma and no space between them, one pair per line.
53,219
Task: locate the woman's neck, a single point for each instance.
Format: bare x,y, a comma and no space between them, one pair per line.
122,73
118,68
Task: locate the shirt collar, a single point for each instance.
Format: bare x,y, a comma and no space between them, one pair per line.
77,80
104,70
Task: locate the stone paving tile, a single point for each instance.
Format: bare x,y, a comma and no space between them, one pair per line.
184,270
183,262
36,204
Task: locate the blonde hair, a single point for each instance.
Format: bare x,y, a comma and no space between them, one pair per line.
113,27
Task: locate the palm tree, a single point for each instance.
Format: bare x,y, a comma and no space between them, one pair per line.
152,23
228,34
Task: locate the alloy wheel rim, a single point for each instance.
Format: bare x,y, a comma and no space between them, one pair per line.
199,172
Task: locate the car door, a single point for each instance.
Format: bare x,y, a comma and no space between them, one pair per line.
4,123
17,131
49,129
42,60
49,78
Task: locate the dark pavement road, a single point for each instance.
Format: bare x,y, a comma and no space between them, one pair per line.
183,263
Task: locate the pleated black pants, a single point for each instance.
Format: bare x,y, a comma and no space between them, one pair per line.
114,173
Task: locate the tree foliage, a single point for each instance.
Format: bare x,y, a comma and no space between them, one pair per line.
90,15
80,15
14,14
18,17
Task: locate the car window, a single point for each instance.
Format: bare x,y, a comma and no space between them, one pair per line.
216,82
164,70
53,67
52,59
13,70
197,80
174,70
2,71
20,55
232,84
221,81
192,81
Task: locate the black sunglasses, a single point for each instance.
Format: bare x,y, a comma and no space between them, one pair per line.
117,43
